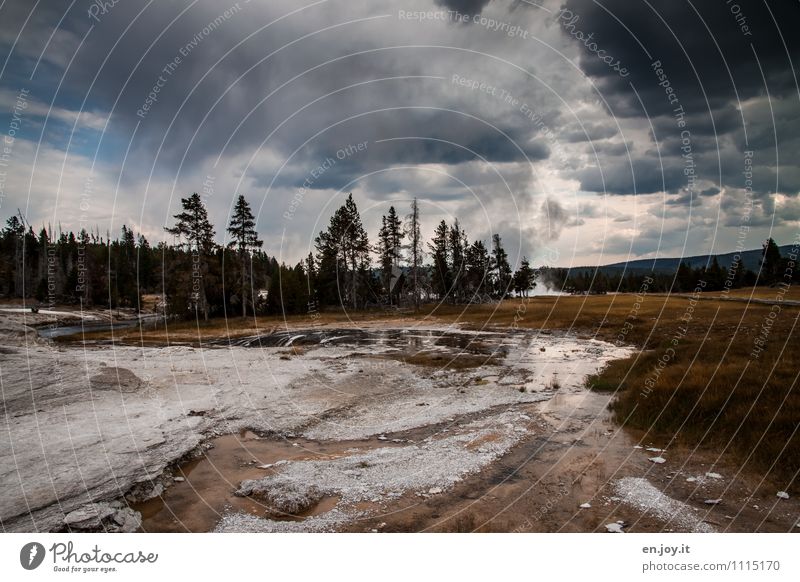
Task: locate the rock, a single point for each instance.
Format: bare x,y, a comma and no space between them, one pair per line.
178,479
712,501
127,520
435,490
782,495
287,498
658,460
691,479
585,505
117,379
89,516
654,450
275,464
614,528
382,438
713,475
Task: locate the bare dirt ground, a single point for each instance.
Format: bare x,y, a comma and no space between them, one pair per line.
386,426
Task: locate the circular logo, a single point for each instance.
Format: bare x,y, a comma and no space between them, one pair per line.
31,555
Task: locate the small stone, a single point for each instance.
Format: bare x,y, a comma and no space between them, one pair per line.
658,460
614,528
585,505
712,501
89,516
691,479
782,495
383,438
713,475
178,479
435,490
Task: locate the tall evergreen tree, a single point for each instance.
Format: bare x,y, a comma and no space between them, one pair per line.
458,266
478,270
244,239
415,249
343,255
770,263
193,225
439,248
524,278
501,268
390,241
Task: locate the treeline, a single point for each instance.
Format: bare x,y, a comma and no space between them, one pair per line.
196,277
773,269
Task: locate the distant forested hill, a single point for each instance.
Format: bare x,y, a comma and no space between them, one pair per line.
749,262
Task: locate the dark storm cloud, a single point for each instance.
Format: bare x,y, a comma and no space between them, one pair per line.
464,6
589,132
696,50
631,176
312,96
727,90
607,148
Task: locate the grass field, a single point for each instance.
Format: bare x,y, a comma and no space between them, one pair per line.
706,374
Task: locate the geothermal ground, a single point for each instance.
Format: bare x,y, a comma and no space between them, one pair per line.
383,426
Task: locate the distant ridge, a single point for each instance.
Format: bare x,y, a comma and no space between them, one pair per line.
749,261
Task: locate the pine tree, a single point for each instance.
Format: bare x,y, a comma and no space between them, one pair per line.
193,225
390,240
478,267
385,258
343,254
501,268
770,263
524,278
458,267
242,229
439,248
415,249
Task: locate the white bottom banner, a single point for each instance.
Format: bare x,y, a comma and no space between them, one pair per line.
387,557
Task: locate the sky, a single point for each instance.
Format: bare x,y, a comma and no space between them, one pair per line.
583,132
